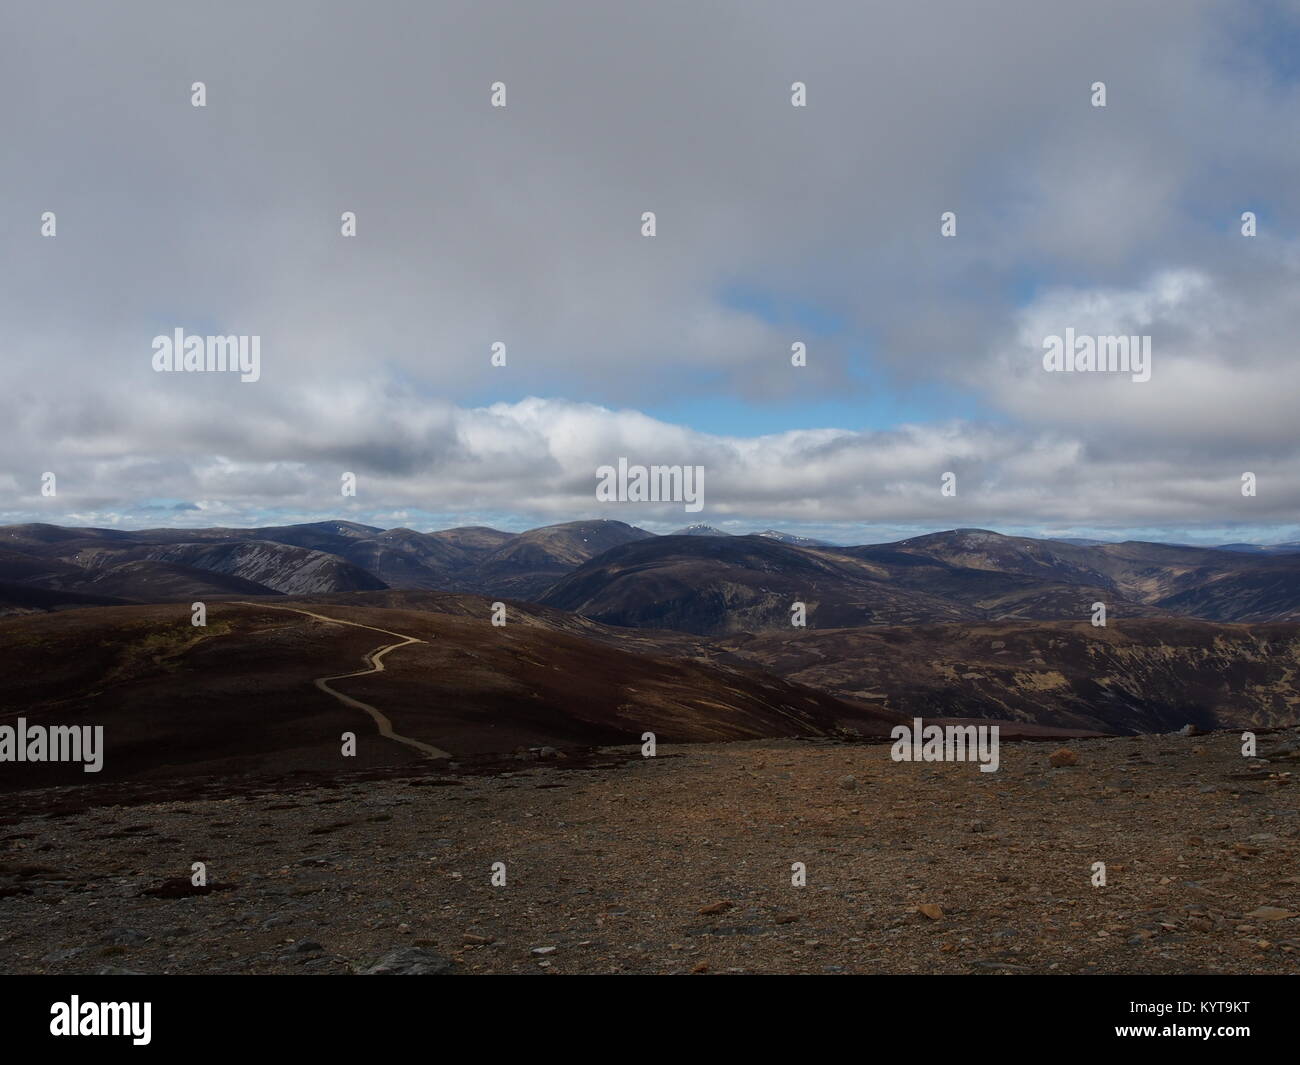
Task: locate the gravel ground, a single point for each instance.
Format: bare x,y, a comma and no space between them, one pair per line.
682,864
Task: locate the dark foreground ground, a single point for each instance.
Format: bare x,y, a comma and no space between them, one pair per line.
682,864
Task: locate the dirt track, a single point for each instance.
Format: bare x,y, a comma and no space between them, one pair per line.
375,658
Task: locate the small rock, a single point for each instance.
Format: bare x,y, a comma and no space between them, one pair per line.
1061,757
125,937
848,782
716,907
543,950
410,961
930,910
179,887
1272,913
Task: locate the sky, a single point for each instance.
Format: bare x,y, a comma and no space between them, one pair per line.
775,225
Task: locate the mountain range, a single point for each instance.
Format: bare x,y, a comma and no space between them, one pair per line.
698,581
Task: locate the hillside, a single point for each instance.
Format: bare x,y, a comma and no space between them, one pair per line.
1140,675
238,696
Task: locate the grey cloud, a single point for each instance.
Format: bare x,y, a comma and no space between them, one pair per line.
521,225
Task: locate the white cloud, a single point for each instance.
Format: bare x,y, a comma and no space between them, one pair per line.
538,458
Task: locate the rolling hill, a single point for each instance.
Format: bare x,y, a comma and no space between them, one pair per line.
237,696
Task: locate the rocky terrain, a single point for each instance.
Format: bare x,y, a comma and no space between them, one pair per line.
678,864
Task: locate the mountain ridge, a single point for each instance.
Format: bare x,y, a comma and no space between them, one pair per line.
699,581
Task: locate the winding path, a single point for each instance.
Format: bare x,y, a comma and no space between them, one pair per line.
375,659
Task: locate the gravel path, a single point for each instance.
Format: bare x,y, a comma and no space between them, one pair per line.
375,660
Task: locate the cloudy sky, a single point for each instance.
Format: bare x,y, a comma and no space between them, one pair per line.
775,225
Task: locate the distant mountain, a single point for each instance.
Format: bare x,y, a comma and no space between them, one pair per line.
1262,549
790,538
37,535
769,534
86,565
512,565
332,537
166,581
709,585
474,538
531,562
702,581
157,565
279,566
107,579
699,530
404,558
1193,581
